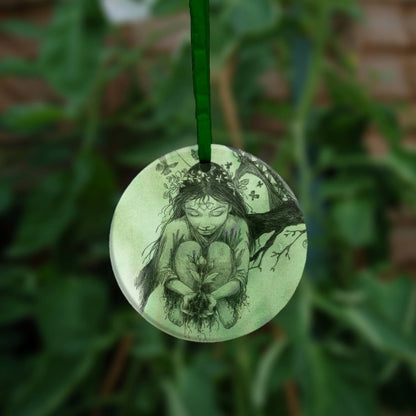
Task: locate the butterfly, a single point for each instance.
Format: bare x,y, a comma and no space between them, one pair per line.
164,168
259,184
254,195
194,154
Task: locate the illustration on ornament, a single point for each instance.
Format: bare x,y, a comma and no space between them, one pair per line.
216,227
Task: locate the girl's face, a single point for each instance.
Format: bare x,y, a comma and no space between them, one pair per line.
206,215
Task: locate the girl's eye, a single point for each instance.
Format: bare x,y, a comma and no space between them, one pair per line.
217,213
193,213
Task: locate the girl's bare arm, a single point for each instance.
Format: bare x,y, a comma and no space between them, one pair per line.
179,287
229,289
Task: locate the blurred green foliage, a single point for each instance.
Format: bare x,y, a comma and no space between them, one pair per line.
70,344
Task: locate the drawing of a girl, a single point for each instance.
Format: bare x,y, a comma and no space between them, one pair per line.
203,254
209,241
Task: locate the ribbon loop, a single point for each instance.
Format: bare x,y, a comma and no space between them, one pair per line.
199,10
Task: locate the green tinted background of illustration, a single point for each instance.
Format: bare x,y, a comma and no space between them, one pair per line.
137,224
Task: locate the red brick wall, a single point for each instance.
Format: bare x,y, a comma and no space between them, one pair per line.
16,90
386,52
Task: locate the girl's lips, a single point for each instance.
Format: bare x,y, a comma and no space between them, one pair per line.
206,231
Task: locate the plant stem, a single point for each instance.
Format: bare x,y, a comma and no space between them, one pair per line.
304,104
115,370
228,104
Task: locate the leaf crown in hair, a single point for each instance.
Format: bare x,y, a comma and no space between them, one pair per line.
177,180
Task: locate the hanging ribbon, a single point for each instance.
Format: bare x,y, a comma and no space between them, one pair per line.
199,10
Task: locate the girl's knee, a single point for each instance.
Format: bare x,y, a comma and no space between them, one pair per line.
188,248
220,250
221,258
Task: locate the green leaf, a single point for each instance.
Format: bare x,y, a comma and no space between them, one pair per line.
146,152
295,318
264,371
387,123
248,17
6,197
154,347
340,128
381,334
18,67
174,89
11,374
314,381
403,165
97,199
347,92
394,298
197,277
236,21
348,186
48,212
223,42
32,117
350,8
13,309
197,391
52,380
162,8
70,313
175,405
253,61
16,279
18,291
354,221
50,208
210,278
374,327
72,50
328,382
22,28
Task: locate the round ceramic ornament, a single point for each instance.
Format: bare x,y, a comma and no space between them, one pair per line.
208,252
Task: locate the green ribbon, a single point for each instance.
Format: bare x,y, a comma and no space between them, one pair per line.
199,10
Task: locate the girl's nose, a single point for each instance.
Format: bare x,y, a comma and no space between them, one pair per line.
205,222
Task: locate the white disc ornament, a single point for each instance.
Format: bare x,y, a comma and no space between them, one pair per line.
212,254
